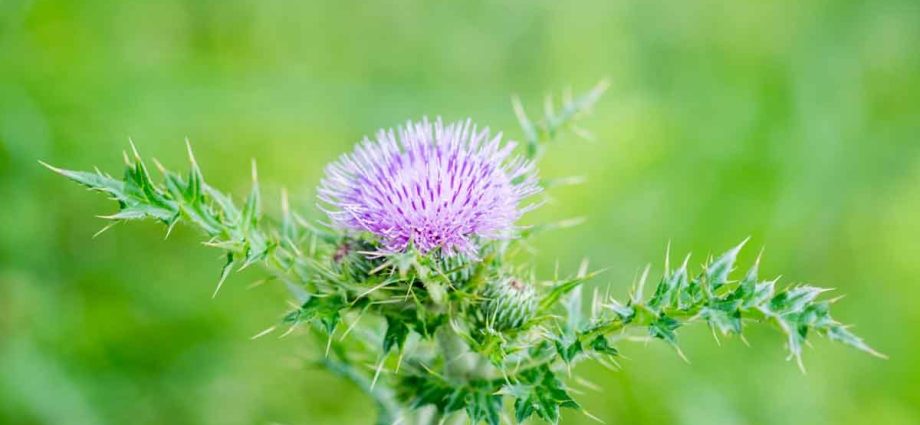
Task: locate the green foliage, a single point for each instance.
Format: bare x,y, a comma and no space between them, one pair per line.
724,305
458,334
539,133
188,198
540,392
478,398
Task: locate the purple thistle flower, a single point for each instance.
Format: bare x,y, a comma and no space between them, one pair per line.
435,186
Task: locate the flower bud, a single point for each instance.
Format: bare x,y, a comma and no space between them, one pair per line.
351,261
509,303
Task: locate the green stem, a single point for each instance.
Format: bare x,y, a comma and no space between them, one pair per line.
457,363
387,407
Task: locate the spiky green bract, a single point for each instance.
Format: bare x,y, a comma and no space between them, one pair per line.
442,336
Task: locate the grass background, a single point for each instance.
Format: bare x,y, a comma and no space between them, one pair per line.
794,122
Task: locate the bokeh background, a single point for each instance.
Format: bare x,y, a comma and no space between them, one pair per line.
794,122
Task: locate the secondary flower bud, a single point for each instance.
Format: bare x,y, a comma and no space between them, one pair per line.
351,259
509,303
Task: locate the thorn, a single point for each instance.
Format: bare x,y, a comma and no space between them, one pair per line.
640,287
595,302
737,248
589,415
191,155
686,262
257,283
159,165
518,108
377,372
223,277
600,88
585,135
583,268
609,364
379,286
137,155
430,370
288,331
170,228
107,227
51,167
667,258
255,173
877,354
399,360
744,340
548,108
217,289
353,324
800,363
588,384
575,391
285,205
680,353
263,333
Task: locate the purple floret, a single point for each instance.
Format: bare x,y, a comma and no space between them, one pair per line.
433,186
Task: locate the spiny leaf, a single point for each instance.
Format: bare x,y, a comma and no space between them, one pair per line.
568,348
841,334
564,287
396,334
794,300
679,301
539,392
663,328
601,345
94,181
482,405
717,272
746,288
666,291
548,126
322,310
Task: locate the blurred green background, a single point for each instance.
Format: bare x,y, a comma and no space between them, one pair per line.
794,122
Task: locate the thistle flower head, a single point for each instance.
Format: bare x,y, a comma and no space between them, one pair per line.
430,186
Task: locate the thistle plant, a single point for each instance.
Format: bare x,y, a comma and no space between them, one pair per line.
410,289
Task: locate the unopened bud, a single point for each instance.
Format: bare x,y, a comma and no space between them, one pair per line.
509,303
350,259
